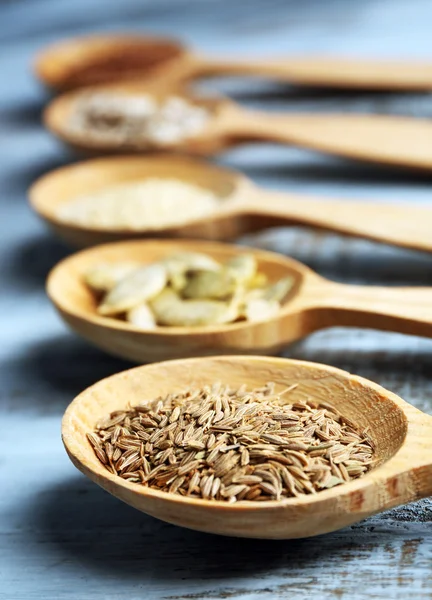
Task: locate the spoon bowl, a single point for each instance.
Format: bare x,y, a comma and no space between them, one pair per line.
401,433
57,117
104,59
65,184
313,303
77,305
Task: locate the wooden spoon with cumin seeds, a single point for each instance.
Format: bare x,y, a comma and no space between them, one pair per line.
402,436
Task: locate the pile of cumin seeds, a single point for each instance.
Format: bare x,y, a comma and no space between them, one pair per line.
233,445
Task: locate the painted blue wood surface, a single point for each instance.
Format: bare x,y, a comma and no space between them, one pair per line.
61,537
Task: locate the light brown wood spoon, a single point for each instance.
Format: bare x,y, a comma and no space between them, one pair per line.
107,58
314,303
388,140
243,207
402,435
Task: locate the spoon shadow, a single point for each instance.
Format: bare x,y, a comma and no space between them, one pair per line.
252,90
84,523
25,113
32,260
269,91
336,101
69,364
334,256
20,175
57,370
323,169
347,259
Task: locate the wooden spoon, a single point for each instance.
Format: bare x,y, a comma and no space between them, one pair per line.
243,207
389,140
107,58
402,434
314,303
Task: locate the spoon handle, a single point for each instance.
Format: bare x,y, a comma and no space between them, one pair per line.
401,225
324,71
403,310
390,140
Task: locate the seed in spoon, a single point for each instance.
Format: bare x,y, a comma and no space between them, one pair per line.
148,204
188,289
210,284
258,281
102,277
242,267
277,291
141,316
183,262
135,120
178,281
259,309
141,285
170,309
189,465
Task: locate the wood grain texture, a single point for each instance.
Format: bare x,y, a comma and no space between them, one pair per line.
61,536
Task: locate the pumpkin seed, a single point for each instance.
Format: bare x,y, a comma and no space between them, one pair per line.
138,287
242,267
187,289
142,317
259,309
210,284
170,309
102,277
178,281
184,262
259,280
277,291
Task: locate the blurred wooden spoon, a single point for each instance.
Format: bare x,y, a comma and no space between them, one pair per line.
108,58
243,207
387,140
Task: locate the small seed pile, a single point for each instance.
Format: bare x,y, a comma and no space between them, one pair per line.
221,444
150,204
135,120
188,289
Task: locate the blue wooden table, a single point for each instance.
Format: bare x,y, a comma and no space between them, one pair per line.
61,537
